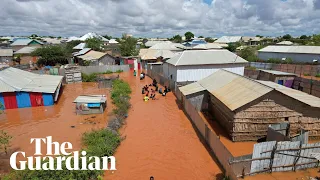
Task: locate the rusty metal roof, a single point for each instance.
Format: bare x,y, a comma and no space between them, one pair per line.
233,90
191,88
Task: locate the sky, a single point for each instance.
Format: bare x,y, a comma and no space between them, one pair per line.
160,18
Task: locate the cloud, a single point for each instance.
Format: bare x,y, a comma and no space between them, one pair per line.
159,18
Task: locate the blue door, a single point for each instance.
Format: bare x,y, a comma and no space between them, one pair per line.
280,82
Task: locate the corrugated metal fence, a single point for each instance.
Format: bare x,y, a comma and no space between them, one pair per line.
101,69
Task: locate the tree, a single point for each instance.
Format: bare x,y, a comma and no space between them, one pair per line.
200,37
233,46
304,37
189,35
4,141
209,40
287,37
316,40
108,37
51,55
176,39
248,54
33,36
259,36
128,46
95,44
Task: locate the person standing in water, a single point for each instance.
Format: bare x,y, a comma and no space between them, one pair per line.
134,73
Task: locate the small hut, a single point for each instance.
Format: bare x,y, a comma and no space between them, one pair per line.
279,77
90,104
105,81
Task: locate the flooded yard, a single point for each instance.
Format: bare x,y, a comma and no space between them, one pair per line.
159,139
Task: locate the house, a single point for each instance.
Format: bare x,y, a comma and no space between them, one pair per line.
174,47
282,78
245,107
49,40
90,104
154,42
154,55
303,54
228,39
25,54
113,41
87,36
285,43
19,89
251,41
207,46
80,46
21,43
6,55
95,58
193,65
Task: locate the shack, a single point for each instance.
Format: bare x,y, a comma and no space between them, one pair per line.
90,104
105,80
245,107
282,78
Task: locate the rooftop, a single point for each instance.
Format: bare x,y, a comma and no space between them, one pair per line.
6,52
167,46
80,46
155,53
278,72
26,50
228,39
16,80
92,55
91,99
24,42
205,57
292,49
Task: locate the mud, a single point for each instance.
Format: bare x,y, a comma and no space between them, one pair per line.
160,141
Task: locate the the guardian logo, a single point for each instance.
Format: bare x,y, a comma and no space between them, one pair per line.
63,154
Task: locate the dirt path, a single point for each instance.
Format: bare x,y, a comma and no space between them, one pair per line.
160,142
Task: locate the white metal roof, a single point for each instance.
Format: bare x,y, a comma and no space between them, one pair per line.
207,46
167,46
151,43
228,39
292,49
80,46
285,43
155,53
295,94
92,55
91,99
6,52
92,35
82,52
16,80
205,57
26,50
278,72
113,41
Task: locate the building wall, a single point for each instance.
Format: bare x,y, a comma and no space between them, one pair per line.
16,48
25,59
199,100
195,73
265,76
170,71
5,58
107,60
294,56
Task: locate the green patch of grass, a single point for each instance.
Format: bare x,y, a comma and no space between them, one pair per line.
306,74
119,71
317,75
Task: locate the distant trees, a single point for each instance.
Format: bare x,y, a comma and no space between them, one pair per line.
189,35
287,37
233,46
316,39
108,37
51,55
127,46
95,44
200,37
304,37
176,39
209,40
259,36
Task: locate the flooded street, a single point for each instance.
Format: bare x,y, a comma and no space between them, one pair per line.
160,141
55,121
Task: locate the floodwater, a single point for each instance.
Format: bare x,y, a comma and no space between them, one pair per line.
55,121
160,142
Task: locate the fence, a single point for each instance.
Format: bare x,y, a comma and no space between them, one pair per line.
299,69
101,69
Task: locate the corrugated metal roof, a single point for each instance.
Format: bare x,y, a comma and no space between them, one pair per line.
91,99
154,54
295,94
228,39
292,49
278,72
113,41
151,43
285,43
6,52
92,55
167,46
207,46
80,46
204,57
82,52
24,42
15,80
232,89
26,50
191,88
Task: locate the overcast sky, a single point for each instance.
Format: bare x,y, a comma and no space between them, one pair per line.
159,18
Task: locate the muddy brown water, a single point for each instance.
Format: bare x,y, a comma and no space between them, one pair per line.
159,139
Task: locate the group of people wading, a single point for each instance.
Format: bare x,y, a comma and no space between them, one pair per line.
154,88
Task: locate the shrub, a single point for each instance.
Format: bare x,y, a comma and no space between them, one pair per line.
306,74
89,77
120,96
317,75
119,71
108,72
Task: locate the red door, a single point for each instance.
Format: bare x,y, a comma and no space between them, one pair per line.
10,101
36,99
